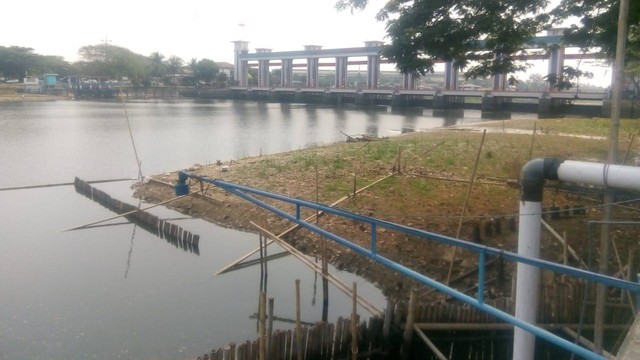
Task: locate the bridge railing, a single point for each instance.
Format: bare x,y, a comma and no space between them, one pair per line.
375,224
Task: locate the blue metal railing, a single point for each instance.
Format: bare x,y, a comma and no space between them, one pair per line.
478,302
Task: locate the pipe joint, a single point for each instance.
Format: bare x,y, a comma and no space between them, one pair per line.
533,175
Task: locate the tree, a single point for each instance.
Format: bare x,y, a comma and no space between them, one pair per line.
221,79
482,35
157,64
206,70
598,23
17,62
487,34
174,65
112,61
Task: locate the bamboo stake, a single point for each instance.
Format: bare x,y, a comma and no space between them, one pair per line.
270,327
626,155
354,323
584,341
430,344
263,330
624,277
565,250
408,327
533,137
294,227
464,207
432,148
298,325
128,213
315,267
557,236
388,314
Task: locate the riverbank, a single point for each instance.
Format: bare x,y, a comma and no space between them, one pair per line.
427,191
11,93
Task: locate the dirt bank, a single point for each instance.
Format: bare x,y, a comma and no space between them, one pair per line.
427,191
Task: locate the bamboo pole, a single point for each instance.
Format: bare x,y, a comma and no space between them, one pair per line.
585,342
263,330
354,322
430,344
298,325
432,148
533,137
626,155
624,277
294,227
464,207
562,241
127,213
318,269
270,327
27,187
408,327
388,315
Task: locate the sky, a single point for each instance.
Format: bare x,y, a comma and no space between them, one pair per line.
196,28
188,28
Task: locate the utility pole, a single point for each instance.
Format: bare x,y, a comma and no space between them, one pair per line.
617,84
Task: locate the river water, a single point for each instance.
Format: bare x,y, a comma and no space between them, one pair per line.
119,292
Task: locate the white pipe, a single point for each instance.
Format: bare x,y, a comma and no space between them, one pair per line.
534,173
528,278
614,176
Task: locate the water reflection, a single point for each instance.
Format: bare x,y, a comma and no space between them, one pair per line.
451,116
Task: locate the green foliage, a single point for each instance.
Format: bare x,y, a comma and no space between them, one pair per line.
18,62
112,61
206,70
486,36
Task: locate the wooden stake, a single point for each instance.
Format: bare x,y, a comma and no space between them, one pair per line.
263,332
388,315
533,136
464,207
624,277
331,278
354,323
408,327
270,327
298,325
565,250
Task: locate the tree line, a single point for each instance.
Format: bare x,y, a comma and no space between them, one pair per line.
110,61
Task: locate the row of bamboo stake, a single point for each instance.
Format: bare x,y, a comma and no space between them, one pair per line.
347,338
173,233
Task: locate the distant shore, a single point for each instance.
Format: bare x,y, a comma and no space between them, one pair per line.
10,93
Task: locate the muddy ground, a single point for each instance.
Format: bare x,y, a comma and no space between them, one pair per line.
427,191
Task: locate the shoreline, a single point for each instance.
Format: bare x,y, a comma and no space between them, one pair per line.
426,192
